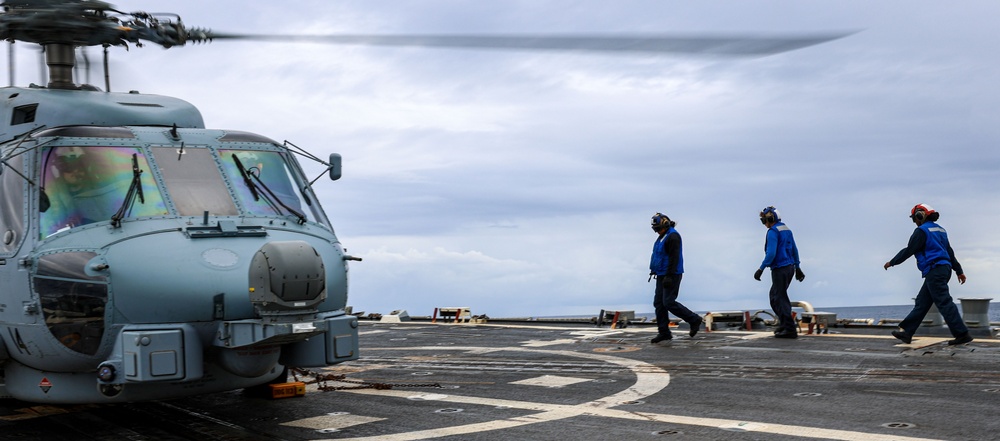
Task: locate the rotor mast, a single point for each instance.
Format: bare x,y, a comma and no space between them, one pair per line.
61,59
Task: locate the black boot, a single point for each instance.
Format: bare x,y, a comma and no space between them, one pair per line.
960,340
661,337
901,335
786,333
694,327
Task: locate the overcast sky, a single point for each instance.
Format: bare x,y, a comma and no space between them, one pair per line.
522,184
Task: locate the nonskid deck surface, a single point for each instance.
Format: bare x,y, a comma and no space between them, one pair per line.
550,382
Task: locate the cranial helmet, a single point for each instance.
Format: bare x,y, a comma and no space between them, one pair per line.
660,222
921,212
69,159
769,214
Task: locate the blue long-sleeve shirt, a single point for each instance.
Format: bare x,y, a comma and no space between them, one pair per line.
779,247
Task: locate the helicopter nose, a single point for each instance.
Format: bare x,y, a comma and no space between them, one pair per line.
286,276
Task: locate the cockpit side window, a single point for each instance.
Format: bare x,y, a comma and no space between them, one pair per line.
11,206
265,185
89,184
73,303
194,182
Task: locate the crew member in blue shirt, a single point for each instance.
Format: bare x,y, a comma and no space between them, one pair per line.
782,256
935,260
667,265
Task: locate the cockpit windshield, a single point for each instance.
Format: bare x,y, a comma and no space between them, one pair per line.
86,184
264,186
89,184
193,181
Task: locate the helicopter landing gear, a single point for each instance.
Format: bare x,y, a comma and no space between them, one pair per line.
264,390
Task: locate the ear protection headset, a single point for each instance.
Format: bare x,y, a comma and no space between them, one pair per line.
769,215
660,221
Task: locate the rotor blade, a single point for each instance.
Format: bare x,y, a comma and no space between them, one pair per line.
736,45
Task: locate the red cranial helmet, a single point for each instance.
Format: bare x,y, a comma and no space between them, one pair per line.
920,212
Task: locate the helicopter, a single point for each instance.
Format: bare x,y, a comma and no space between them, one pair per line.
145,256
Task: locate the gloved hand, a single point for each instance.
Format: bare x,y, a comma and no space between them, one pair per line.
650,277
799,275
756,275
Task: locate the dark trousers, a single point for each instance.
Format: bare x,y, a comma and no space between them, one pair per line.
935,291
781,278
665,301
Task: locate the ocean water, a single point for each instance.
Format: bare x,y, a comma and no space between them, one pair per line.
897,312
889,311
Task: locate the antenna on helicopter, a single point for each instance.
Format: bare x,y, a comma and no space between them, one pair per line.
86,64
107,73
10,62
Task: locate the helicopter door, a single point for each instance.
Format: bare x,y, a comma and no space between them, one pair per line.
11,207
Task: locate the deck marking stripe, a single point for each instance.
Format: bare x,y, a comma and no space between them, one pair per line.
551,381
540,343
331,422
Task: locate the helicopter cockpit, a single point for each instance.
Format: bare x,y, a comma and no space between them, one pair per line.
93,183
